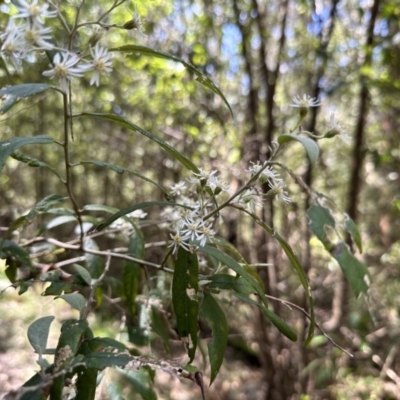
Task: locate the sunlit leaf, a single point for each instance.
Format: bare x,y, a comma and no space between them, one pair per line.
310,145
212,313
184,298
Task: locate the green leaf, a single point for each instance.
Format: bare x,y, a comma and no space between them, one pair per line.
40,208
234,265
121,170
212,313
13,94
355,271
94,262
33,162
200,77
75,300
103,360
142,382
130,209
10,248
294,261
184,298
100,207
114,391
101,343
303,279
282,326
7,147
35,380
319,218
64,219
132,272
38,333
229,282
310,145
83,273
122,122
160,326
351,227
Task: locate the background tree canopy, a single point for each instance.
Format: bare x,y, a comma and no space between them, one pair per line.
260,54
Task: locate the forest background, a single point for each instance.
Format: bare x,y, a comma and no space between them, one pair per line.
261,54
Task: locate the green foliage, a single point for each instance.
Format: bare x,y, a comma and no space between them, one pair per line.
184,298
98,265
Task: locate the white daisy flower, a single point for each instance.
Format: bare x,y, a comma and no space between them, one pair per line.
305,102
101,63
65,69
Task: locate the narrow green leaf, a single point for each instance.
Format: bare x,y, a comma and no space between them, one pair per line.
100,207
121,170
132,273
355,271
160,326
282,326
83,273
64,219
75,300
200,77
303,279
294,261
128,125
38,333
33,162
142,382
351,227
229,282
310,145
233,265
212,313
40,208
130,209
319,218
184,298
13,94
7,147
103,360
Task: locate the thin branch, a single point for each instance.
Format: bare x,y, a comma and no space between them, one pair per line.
302,310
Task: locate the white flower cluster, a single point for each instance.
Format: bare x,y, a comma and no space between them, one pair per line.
269,175
198,195
124,225
19,39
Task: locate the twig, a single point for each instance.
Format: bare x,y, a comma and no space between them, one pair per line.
290,304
